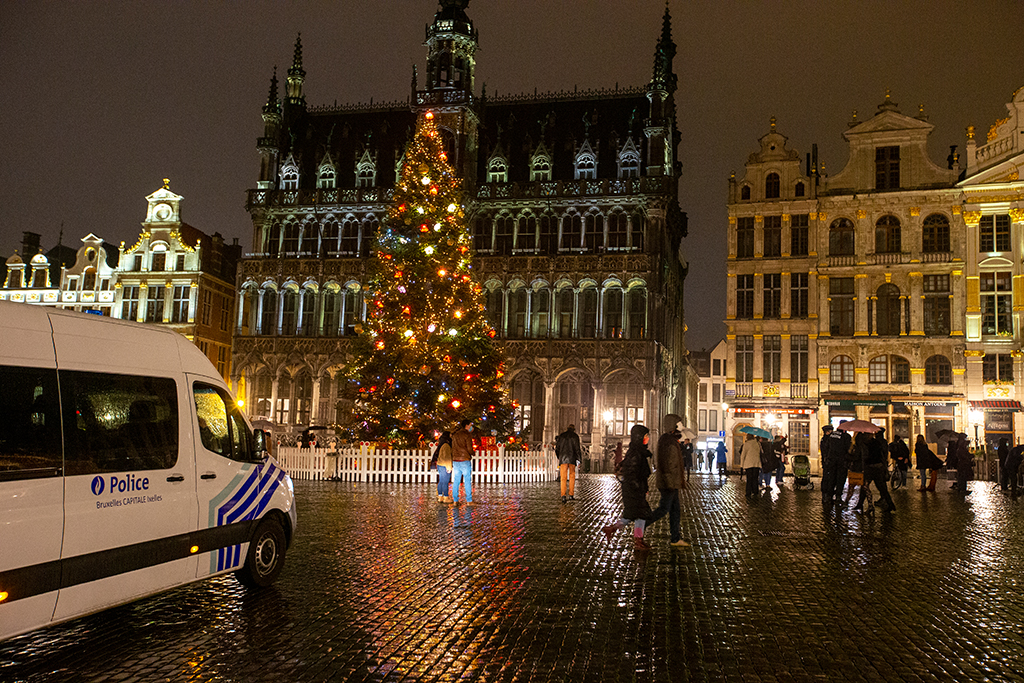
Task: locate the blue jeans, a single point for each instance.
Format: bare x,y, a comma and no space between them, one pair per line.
462,471
669,504
444,477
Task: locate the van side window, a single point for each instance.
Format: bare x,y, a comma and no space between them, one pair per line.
118,423
30,435
221,429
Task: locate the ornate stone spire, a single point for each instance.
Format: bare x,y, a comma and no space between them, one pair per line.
664,53
296,75
273,105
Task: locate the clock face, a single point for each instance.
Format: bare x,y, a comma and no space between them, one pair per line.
162,212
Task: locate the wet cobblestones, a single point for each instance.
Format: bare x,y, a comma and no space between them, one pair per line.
384,585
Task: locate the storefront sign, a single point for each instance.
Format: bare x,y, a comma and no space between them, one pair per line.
850,403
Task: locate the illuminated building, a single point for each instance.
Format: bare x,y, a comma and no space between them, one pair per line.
575,224
993,210
846,293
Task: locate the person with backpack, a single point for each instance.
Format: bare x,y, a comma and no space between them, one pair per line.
634,473
569,454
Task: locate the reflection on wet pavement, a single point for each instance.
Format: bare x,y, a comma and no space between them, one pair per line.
384,584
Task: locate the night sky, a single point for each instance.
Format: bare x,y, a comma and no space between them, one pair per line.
101,100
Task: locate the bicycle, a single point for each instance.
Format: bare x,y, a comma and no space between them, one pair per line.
898,478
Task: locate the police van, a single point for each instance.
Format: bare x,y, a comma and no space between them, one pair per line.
126,469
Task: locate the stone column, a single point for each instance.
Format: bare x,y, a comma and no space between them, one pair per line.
597,428
860,307
549,412
314,409
273,397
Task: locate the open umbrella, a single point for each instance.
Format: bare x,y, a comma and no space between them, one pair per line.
756,431
688,433
859,426
947,434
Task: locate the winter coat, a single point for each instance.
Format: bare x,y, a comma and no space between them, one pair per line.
567,448
722,450
951,454
964,461
900,454
838,445
669,474
750,456
769,459
1014,459
462,446
1002,452
926,458
635,471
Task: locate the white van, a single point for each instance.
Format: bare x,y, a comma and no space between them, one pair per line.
125,469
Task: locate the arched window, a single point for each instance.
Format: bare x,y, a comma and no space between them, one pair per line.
331,233
636,305
841,238
588,313
745,192
310,238
303,394
629,160
351,309
496,309
799,190
291,238
637,228
504,229
366,171
840,370
289,312
935,237
290,177
540,167
527,392
574,395
326,176
526,234
623,404
497,170
572,232
89,280
618,231
367,240
540,311
565,300
307,324
593,235
771,186
887,310
937,370
483,234
612,313
273,246
330,304
349,236
586,165
548,234
268,317
517,313
887,235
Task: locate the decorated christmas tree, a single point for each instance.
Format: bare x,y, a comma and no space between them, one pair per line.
425,358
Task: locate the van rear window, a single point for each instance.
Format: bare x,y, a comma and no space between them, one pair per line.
118,423
30,435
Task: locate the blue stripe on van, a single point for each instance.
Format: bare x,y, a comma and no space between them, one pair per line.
244,503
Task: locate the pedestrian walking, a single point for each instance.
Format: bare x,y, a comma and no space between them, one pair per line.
769,462
1002,452
782,454
964,466
876,470
900,455
750,462
951,454
709,456
927,462
669,476
569,454
442,460
462,462
839,444
722,459
634,473
687,449
1013,462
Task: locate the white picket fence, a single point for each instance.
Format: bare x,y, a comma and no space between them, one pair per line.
370,464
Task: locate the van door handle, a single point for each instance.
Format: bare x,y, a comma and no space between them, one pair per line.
208,475
176,477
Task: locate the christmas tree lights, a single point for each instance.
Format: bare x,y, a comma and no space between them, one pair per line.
425,358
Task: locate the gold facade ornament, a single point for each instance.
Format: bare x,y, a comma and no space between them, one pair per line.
167,183
957,210
861,213
732,220
1017,354
785,218
814,216
888,278
772,122
972,218
974,353
759,219
993,132
915,211
970,132
1017,215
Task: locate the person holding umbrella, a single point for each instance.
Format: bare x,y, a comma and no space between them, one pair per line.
750,461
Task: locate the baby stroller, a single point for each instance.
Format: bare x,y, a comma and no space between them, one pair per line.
802,472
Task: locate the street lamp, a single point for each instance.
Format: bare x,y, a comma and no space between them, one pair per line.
977,417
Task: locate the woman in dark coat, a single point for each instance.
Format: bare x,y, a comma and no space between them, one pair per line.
633,475
926,460
964,465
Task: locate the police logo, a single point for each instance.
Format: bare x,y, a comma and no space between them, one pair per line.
97,486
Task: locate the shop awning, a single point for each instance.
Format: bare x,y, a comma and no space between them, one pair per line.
995,405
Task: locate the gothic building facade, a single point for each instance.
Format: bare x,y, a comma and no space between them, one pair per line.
572,203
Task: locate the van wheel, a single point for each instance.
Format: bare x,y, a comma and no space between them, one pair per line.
265,558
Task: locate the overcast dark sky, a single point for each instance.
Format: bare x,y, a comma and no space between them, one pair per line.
101,100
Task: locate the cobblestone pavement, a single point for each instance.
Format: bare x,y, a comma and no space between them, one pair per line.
383,584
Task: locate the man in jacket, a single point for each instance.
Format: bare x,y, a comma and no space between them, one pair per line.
669,476
462,461
569,454
836,447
